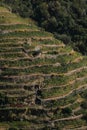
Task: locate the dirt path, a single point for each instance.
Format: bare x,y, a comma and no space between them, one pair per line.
29,83
54,45
5,53
18,23
31,66
77,109
15,59
75,70
42,38
71,92
45,75
20,30
42,56
77,59
68,118
51,74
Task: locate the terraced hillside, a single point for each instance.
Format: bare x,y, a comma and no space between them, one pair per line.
43,83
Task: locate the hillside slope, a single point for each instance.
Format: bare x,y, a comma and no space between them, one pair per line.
67,19
43,83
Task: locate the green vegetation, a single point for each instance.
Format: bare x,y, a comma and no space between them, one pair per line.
65,18
43,83
3,99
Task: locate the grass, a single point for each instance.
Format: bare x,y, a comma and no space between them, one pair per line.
71,124
43,69
4,50
60,59
26,62
48,42
14,19
62,102
57,49
8,45
18,27
75,105
25,34
13,49
16,124
60,91
3,9
12,55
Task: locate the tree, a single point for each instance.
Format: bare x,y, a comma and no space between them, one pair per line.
65,18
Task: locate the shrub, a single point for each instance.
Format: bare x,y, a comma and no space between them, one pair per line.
67,111
13,128
84,105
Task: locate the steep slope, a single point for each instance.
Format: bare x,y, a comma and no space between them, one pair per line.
43,83
67,19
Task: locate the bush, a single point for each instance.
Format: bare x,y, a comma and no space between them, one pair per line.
65,38
84,105
67,111
3,99
13,128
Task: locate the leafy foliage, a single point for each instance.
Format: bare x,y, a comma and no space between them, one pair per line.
65,18
3,99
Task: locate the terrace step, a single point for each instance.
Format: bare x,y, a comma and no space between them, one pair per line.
37,86
69,118
79,89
